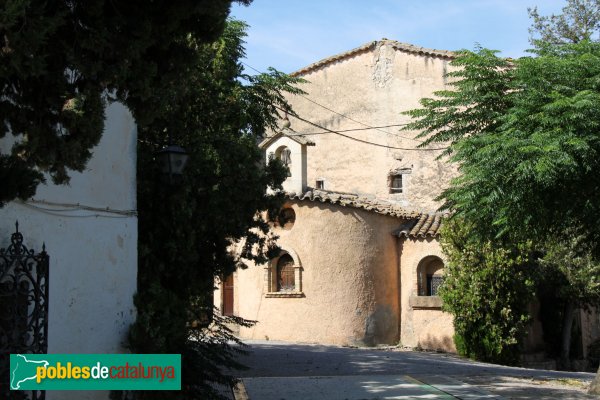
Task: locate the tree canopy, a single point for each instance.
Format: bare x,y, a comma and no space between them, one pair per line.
61,61
579,20
176,66
525,135
206,225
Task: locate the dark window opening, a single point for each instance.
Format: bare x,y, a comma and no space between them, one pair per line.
286,218
396,184
433,284
286,279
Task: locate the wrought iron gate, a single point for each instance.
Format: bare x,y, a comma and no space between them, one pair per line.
23,308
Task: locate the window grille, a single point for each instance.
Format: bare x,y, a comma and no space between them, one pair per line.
433,284
286,280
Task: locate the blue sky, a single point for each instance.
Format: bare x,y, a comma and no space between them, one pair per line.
289,34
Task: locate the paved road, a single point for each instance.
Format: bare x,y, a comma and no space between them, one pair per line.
268,359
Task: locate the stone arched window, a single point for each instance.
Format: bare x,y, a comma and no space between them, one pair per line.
283,275
430,273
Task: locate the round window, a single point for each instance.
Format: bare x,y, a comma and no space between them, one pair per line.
286,218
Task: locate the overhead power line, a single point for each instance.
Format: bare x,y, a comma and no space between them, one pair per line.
350,130
377,128
362,123
356,139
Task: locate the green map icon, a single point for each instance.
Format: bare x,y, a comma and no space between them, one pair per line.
23,370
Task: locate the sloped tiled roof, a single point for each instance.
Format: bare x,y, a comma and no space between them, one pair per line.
405,47
287,133
427,225
355,201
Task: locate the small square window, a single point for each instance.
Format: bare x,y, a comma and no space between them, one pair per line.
320,184
396,184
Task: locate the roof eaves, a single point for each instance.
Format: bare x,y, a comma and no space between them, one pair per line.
298,138
427,225
354,201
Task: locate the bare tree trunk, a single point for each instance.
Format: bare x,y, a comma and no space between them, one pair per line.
595,386
567,327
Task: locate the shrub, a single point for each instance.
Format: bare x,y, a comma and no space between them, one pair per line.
487,288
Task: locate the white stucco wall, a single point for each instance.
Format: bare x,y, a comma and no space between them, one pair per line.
93,254
296,182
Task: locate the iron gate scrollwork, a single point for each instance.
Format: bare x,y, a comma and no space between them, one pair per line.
23,308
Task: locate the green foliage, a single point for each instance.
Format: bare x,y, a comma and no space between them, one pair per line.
525,136
580,19
572,269
487,288
533,164
61,61
480,84
594,353
206,225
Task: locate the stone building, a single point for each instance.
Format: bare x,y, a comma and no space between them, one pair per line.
360,261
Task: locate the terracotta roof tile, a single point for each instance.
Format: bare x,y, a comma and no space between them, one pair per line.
427,225
405,47
418,224
355,201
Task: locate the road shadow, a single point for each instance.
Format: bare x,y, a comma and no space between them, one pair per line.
285,359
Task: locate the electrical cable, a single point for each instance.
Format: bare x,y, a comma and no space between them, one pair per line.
56,214
350,130
347,117
60,212
356,139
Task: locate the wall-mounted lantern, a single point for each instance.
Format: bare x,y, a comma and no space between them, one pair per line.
172,160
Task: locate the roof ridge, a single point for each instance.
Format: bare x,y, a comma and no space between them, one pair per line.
406,47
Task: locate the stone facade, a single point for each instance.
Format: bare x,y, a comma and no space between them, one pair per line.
364,245
360,254
357,240
373,85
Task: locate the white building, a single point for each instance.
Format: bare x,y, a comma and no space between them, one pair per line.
89,228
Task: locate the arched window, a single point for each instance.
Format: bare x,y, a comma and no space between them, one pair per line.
430,274
285,155
283,275
286,280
